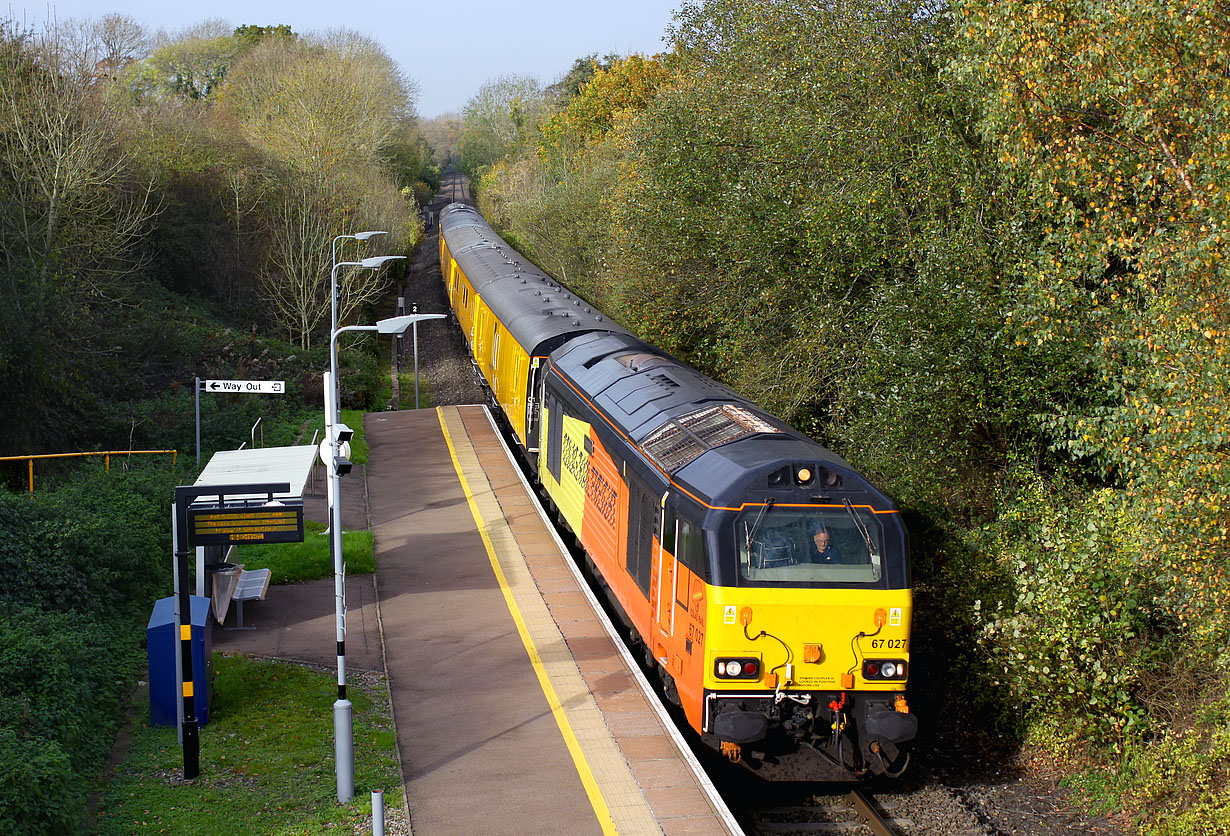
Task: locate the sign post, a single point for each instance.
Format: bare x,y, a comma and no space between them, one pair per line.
247,387
241,520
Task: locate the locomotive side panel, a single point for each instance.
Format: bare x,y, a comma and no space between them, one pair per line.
584,481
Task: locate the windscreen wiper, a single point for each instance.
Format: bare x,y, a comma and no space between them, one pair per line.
756,525
862,529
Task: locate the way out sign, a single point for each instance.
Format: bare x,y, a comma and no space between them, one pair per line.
249,387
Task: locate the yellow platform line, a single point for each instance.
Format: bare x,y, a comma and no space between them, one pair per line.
584,771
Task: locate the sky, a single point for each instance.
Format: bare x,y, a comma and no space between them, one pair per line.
449,49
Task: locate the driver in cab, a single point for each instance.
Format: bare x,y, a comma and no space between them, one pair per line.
823,550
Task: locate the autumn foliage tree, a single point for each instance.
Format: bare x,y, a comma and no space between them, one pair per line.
1113,118
73,208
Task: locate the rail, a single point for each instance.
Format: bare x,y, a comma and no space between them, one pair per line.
106,453
870,815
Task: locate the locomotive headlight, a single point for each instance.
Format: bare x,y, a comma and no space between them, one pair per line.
889,670
733,668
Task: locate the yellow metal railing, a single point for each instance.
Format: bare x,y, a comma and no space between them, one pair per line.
108,454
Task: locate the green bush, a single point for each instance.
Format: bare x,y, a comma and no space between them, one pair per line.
63,675
82,565
1067,626
98,545
37,794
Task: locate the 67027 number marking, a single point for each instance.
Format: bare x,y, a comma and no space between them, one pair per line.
888,644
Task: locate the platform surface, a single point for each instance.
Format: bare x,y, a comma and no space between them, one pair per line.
516,712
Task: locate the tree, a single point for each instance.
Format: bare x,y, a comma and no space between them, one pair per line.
498,120
99,48
333,113
1113,118
71,212
191,65
582,70
249,35
620,90
442,134
320,104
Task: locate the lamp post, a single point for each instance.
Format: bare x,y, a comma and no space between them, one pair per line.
370,264
358,236
336,435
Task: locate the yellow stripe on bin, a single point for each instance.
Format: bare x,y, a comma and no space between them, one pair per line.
584,771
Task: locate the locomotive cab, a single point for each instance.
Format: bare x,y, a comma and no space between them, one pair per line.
809,616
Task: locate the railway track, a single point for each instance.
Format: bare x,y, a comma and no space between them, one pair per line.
852,813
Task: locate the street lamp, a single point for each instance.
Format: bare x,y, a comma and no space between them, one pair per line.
369,263
337,434
358,236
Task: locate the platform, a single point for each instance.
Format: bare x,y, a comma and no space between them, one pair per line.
517,710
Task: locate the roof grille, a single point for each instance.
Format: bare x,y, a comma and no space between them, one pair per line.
680,441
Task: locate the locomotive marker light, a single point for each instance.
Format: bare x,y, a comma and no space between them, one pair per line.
335,452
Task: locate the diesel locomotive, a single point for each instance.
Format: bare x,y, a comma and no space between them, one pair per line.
765,581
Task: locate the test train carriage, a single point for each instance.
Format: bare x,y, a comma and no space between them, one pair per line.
765,579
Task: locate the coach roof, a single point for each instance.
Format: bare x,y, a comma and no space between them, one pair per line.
535,309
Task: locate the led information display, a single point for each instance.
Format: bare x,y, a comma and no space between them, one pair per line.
246,524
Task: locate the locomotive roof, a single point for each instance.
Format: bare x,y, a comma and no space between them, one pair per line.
703,434
532,306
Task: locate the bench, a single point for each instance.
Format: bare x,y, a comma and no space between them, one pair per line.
252,586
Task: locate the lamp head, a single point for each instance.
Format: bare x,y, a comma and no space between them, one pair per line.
377,260
342,433
396,324
363,236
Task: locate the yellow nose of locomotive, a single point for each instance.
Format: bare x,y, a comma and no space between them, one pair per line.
809,639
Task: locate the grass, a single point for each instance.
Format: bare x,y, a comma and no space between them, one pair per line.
405,382
309,560
266,759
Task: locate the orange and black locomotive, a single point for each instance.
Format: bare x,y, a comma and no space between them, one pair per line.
765,579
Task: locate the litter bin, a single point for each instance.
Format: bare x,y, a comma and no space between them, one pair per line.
225,577
162,645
